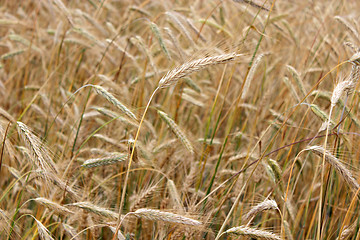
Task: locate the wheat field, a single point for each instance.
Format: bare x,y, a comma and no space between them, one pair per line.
179,119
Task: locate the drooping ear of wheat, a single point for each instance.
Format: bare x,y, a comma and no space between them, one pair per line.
297,79
264,205
53,206
177,131
44,233
41,156
337,165
155,29
250,76
108,96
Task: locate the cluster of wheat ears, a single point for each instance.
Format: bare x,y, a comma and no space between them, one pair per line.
179,119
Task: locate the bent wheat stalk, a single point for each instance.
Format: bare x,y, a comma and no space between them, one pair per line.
169,79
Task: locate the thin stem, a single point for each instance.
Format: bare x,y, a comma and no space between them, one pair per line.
342,113
322,175
130,161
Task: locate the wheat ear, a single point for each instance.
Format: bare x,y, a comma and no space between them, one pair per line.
338,166
53,206
177,131
89,207
44,233
108,96
156,215
181,71
109,160
253,233
41,158
264,205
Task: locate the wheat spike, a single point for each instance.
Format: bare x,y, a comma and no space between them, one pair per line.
156,215
253,233
175,128
181,71
42,159
42,230
250,76
104,161
296,77
139,200
347,232
263,5
53,206
12,54
264,205
70,230
337,165
155,29
108,96
89,207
